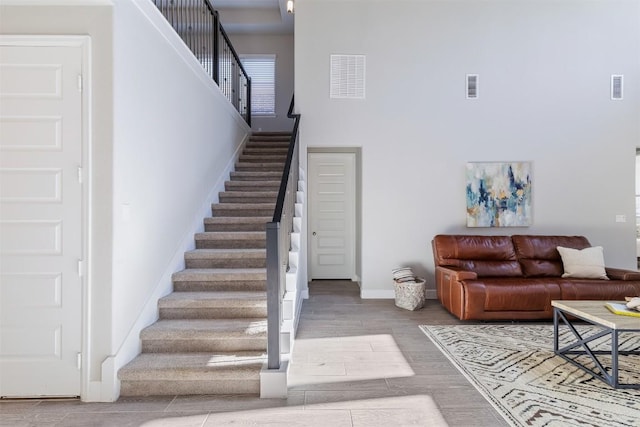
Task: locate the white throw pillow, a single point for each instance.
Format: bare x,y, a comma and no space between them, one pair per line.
585,263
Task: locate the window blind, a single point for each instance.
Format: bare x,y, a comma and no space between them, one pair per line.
262,70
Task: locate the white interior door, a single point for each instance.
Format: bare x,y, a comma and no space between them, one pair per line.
332,213
40,220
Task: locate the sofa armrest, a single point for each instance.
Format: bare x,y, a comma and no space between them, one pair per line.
451,290
622,274
455,274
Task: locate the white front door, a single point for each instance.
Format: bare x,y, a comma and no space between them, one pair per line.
332,214
40,220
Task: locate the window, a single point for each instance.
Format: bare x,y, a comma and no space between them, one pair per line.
262,70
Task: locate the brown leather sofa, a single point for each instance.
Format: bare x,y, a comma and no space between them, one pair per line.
516,277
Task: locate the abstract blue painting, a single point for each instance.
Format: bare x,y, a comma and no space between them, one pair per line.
499,194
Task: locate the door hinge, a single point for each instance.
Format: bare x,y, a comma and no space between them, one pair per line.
80,267
79,82
80,174
79,360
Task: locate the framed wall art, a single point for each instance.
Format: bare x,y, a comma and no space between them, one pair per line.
499,194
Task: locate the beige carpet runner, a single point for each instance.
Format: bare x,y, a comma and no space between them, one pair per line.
514,367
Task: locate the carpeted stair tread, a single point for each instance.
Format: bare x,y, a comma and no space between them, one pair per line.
226,254
220,274
170,366
231,206
213,299
248,197
272,141
231,235
231,240
268,133
256,176
226,258
214,305
236,223
271,185
196,335
250,194
260,167
256,149
243,209
263,158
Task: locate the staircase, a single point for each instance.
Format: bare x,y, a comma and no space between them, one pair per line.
211,337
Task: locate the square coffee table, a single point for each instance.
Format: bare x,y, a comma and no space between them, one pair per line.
595,313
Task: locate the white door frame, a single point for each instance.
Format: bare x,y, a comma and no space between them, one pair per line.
84,43
358,205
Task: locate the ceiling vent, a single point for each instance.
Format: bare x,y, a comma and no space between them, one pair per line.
473,81
347,76
617,86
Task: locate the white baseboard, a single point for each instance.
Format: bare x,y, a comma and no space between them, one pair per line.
390,294
377,294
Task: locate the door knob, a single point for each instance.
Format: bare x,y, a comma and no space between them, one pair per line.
314,233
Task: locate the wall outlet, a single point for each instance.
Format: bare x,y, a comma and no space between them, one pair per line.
621,218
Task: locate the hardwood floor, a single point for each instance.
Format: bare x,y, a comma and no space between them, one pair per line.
355,363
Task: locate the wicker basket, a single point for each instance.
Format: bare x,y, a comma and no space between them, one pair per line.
410,295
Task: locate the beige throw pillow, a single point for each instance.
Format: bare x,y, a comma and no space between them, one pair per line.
585,263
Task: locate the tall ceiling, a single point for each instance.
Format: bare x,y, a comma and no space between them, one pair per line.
254,16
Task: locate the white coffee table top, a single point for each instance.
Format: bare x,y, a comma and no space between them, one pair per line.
596,312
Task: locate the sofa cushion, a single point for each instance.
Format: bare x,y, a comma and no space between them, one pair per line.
587,263
539,256
590,289
506,294
485,255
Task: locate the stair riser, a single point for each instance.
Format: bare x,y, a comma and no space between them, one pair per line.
181,387
260,150
214,313
269,143
240,198
259,167
226,263
222,211
231,244
203,345
212,227
262,158
224,286
256,176
253,186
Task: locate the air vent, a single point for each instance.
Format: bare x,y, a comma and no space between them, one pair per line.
617,86
347,76
473,81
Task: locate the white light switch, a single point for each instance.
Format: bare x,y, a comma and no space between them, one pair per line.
621,218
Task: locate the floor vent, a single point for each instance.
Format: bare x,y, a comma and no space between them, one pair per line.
347,76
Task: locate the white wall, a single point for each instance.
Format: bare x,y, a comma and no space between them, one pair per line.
176,138
280,45
163,139
544,69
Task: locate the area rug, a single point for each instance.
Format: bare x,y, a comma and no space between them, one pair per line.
514,367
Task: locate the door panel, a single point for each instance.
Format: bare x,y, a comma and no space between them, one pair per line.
40,220
332,192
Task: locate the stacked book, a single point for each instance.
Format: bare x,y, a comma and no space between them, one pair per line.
404,274
622,309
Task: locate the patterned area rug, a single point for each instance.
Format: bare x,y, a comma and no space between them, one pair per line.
514,367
